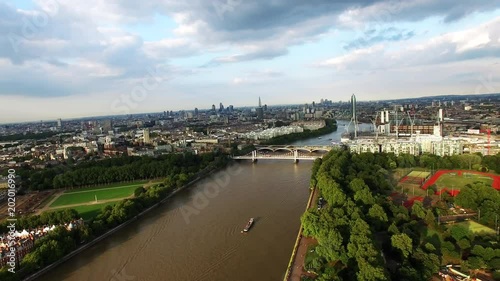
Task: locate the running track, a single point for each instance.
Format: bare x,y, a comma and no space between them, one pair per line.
435,177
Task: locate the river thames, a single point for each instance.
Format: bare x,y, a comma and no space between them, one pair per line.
195,235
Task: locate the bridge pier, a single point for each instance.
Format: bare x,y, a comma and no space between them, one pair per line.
295,156
254,156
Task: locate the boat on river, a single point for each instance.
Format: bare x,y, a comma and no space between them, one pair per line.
249,224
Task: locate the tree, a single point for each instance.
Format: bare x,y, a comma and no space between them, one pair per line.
476,263
377,212
429,247
418,210
364,195
402,242
393,229
430,219
464,244
331,247
459,231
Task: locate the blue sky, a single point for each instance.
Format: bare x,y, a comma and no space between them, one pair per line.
64,59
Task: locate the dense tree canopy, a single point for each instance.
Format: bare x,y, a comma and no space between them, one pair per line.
364,236
119,169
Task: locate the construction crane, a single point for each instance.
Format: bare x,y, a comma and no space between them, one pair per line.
489,138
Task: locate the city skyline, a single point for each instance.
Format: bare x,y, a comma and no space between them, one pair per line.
65,60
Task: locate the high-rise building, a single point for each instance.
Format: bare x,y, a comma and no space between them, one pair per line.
213,107
260,111
196,111
221,107
146,136
353,108
354,118
59,123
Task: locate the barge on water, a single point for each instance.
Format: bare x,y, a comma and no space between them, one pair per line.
249,224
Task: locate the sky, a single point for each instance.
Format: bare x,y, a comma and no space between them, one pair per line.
67,59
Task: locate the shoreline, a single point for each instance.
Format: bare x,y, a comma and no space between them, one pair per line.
42,271
293,257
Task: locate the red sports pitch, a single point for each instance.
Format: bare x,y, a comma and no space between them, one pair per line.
452,180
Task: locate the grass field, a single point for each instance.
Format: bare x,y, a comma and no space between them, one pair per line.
88,196
476,227
457,182
89,211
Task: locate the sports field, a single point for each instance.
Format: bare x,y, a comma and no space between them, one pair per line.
476,228
453,180
89,196
419,174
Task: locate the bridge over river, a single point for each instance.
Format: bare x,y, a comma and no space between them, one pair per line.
286,152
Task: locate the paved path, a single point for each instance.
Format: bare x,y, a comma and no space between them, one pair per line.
298,263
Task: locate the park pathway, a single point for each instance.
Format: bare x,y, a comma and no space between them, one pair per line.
305,242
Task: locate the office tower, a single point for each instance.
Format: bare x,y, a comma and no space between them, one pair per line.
59,123
213,107
221,107
196,111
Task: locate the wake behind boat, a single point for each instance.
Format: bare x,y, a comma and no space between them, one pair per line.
249,224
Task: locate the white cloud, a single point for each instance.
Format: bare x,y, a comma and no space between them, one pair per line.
239,80
477,42
344,61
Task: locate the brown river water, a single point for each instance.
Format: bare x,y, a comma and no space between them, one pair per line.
196,235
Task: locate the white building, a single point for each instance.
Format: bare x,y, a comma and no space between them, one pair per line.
271,133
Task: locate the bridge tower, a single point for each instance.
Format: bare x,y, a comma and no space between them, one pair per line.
254,156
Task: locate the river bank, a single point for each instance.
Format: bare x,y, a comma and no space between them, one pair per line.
201,175
196,234
294,270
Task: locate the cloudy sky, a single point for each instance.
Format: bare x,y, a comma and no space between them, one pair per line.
66,58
